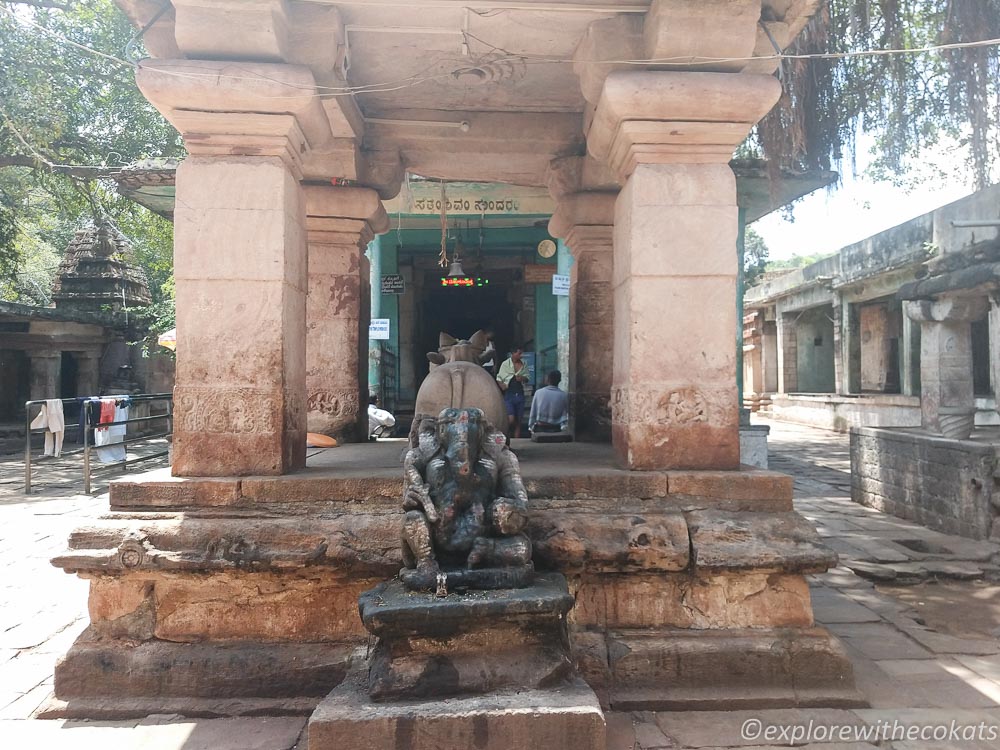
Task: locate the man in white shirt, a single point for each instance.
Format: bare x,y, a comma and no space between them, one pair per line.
380,422
549,406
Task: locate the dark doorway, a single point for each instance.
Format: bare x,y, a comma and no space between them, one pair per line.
68,370
15,369
461,311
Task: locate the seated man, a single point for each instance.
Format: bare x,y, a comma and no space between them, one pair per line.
549,406
380,422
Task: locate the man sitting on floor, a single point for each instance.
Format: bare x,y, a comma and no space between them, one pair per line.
549,406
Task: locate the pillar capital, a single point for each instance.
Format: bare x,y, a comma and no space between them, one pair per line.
573,174
662,117
343,215
947,309
582,209
245,109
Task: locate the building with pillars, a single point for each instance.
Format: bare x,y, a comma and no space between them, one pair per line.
895,339
76,346
832,345
301,118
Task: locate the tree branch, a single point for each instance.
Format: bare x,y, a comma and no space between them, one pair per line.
80,171
50,4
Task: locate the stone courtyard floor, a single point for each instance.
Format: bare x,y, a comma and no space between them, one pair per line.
918,611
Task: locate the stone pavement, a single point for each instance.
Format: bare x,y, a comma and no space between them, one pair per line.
924,644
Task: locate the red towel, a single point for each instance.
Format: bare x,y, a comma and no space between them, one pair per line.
107,411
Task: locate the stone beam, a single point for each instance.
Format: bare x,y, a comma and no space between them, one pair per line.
609,39
573,174
678,29
506,147
159,38
780,22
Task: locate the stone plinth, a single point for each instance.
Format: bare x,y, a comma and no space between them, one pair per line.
566,717
182,569
467,643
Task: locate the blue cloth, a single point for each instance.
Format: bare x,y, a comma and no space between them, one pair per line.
515,404
549,405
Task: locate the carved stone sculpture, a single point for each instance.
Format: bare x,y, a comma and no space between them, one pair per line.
457,380
466,507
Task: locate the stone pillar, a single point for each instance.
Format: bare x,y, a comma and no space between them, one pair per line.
564,261
239,261
947,402
788,354
374,255
88,376
340,222
585,220
43,381
670,137
839,373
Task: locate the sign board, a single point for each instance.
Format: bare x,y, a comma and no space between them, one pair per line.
392,283
378,329
536,273
423,197
560,285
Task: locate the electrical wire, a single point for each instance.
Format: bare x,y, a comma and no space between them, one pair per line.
322,91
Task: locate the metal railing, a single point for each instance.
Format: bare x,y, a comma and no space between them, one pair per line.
86,427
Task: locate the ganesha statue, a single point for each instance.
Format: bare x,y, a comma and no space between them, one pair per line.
465,507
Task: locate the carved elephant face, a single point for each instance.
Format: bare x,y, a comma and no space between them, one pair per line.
460,434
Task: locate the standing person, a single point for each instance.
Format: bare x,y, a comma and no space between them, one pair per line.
512,377
549,406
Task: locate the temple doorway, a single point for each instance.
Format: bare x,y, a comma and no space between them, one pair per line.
463,310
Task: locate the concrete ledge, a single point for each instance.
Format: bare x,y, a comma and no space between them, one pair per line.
563,717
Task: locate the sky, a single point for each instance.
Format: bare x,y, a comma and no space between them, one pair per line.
827,220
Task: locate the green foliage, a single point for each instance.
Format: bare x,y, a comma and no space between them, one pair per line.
69,118
755,254
908,102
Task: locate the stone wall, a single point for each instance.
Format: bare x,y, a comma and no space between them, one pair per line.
841,413
947,485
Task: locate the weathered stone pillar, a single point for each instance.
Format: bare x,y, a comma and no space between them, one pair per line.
947,402
43,378
585,220
340,223
239,261
670,137
788,354
88,375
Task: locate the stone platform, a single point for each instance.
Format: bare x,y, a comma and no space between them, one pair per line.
464,644
201,589
566,717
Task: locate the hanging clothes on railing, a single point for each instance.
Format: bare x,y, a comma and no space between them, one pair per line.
113,409
51,419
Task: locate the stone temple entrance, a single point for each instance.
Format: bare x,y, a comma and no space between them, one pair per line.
230,586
